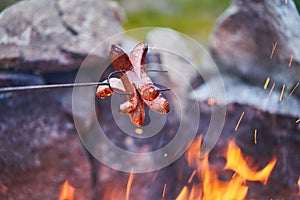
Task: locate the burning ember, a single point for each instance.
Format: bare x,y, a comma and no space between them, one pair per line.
67,192
213,183
299,186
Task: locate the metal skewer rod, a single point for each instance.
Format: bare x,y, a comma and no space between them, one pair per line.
70,85
46,87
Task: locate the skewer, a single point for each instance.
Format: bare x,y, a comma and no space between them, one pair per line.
46,87
67,85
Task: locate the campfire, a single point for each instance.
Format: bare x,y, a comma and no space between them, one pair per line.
51,141
223,174
222,182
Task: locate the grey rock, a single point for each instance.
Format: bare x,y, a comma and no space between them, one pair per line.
243,93
39,149
242,44
176,54
246,33
47,35
8,79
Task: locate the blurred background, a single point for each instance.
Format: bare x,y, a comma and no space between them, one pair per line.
33,171
194,18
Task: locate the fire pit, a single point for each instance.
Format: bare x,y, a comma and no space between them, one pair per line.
254,156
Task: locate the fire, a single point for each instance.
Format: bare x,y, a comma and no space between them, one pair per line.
66,192
299,186
237,163
129,184
211,187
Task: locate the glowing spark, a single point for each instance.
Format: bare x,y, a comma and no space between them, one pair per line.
192,176
272,88
255,133
291,60
241,117
273,49
293,90
139,131
129,183
282,91
267,83
298,120
165,155
210,102
164,192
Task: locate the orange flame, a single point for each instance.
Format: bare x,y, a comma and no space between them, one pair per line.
66,192
237,163
129,184
212,187
299,186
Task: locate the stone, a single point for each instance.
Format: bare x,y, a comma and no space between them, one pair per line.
246,34
241,45
49,36
253,41
242,93
39,148
8,79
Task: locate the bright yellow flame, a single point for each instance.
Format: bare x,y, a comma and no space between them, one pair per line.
237,163
66,192
211,187
183,195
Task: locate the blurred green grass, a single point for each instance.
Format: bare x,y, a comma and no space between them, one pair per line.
5,3
196,18
192,17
